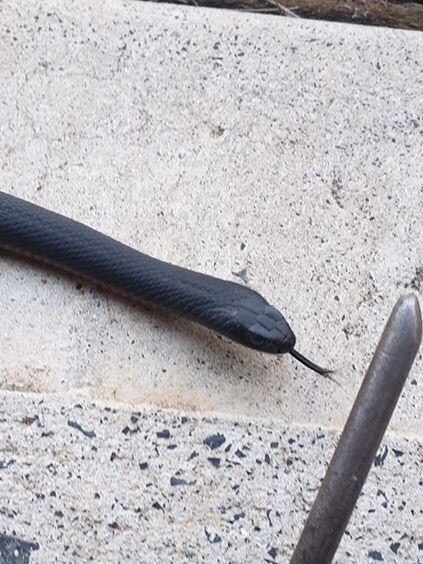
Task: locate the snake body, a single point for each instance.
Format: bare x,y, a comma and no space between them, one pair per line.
237,312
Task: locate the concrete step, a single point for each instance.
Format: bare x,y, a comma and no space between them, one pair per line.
84,480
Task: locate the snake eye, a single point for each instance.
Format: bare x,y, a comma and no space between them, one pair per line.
256,340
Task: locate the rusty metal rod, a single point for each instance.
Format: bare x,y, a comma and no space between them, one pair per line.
362,434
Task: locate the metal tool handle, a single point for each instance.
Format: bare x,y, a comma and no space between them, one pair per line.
362,434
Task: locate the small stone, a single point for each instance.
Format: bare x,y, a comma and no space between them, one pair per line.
375,555
394,546
174,481
165,434
214,462
214,441
213,537
272,552
380,458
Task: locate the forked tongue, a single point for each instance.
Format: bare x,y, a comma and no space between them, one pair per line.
309,364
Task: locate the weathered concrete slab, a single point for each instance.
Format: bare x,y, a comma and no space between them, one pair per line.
222,142
104,484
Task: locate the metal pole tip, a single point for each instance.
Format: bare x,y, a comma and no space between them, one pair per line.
407,313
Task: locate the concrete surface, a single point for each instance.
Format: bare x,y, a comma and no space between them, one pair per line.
154,486
221,142
229,143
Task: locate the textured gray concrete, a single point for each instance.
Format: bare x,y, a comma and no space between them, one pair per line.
285,152
222,142
156,486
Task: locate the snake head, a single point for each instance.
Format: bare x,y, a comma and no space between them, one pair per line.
265,329
260,326
271,333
